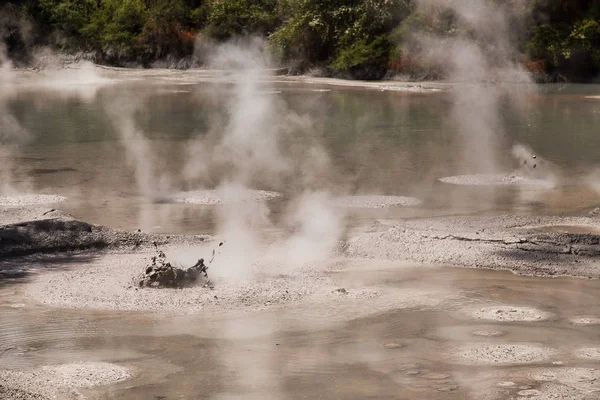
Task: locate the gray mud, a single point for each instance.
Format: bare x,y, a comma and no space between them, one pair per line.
496,180
367,201
506,242
506,313
214,197
30,200
30,231
64,379
500,354
108,283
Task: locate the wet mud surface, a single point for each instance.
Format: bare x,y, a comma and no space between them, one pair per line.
397,331
385,318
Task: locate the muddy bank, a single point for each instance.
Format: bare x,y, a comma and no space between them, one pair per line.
9,393
31,231
524,245
64,379
109,283
538,246
30,199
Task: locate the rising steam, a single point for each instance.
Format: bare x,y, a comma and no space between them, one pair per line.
482,56
250,145
150,183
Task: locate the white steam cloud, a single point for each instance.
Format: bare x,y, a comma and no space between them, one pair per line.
150,183
250,147
482,57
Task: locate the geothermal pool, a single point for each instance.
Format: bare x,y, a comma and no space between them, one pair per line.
378,143
385,315
400,331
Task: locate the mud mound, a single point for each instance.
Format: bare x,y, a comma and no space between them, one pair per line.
55,379
106,284
213,197
65,234
588,353
500,354
506,314
567,383
495,180
487,333
368,201
585,321
7,393
30,199
161,274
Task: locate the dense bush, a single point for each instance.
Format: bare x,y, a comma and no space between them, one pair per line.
345,35
353,38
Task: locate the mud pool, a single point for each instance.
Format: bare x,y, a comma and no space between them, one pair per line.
423,341
388,315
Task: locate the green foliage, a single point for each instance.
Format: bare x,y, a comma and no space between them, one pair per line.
115,28
226,18
163,32
362,53
355,38
344,34
69,15
566,36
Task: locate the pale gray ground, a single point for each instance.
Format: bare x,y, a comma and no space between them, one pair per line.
585,321
368,201
62,380
30,199
213,197
109,283
495,180
498,354
505,313
525,245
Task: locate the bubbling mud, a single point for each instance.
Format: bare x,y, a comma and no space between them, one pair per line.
500,354
30,199
496,180
373,201
507,314
213,197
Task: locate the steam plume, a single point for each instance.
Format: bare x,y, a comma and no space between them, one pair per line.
482,56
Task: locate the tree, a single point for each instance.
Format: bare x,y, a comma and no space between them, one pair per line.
227,18
347,35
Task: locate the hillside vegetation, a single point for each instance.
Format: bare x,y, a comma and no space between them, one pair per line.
364,39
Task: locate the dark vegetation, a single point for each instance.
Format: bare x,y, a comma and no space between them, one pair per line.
363,39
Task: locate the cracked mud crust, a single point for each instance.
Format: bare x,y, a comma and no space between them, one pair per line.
506,243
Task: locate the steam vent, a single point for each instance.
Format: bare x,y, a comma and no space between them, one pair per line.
290,200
